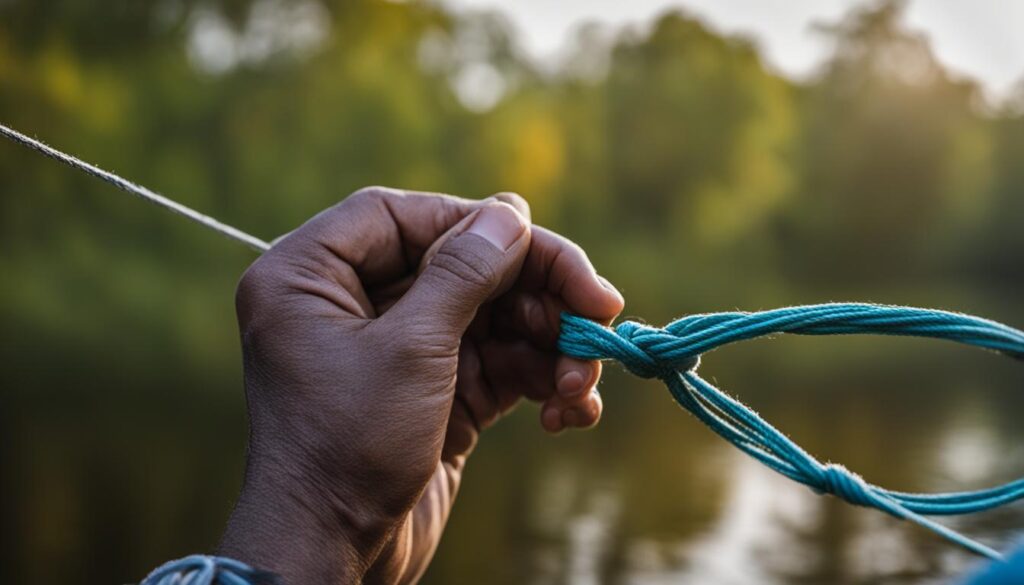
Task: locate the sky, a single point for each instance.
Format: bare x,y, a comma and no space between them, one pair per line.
980,39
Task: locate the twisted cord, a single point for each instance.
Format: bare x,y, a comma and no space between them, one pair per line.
672,354
207,570
137,190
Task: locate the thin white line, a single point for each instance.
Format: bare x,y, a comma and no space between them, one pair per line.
137,190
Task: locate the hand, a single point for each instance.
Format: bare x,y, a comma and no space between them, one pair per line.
379,340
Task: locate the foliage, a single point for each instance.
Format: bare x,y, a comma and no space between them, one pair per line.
667,153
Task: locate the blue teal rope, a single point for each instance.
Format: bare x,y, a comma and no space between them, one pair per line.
208,570
672,354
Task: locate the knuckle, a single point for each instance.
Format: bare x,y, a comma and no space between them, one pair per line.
464,265
253,284
578,251
574,254
258,290
372,193
250,296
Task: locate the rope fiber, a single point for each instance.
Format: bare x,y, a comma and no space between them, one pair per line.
672,354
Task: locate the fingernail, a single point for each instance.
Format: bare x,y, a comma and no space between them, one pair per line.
570,384
608,286
500,225
551,419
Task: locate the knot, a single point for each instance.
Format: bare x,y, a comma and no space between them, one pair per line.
651,354
647,352
846,485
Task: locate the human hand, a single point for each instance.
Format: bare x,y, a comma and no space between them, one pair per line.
379,340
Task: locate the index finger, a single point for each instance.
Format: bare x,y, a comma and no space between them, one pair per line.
382,233
559,267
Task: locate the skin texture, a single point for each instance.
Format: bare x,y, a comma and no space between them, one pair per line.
379,340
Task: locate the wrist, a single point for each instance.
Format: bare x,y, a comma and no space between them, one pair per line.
293,522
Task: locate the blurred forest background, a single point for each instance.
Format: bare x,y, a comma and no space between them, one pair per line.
696,178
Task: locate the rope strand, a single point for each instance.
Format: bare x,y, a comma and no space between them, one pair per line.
673,355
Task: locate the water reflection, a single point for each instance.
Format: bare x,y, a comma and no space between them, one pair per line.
648,498
756,536
767,530
880,548
969,450
653,498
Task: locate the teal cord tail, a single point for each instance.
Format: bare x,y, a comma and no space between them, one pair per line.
672,354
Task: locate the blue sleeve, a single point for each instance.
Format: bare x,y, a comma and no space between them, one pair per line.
1010,572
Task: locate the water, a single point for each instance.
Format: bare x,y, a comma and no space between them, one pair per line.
654,498
107,472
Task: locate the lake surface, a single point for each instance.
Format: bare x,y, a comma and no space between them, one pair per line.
108,472
652,497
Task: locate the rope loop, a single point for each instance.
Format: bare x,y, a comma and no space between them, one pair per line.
673,353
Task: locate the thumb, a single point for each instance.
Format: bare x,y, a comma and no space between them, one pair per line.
468,269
